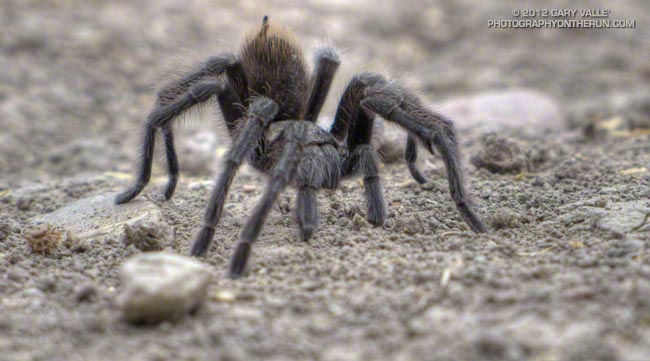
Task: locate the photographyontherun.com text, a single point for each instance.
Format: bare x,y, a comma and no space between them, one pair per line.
561,19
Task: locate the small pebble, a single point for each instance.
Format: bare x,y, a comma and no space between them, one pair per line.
225,296
23,203
249,188
85,292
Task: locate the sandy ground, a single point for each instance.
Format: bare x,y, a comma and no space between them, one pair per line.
563,274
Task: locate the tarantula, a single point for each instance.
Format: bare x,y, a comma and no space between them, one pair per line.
270,105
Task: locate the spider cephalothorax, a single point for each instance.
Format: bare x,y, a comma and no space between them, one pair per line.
270,104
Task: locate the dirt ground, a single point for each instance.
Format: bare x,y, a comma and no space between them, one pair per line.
563,274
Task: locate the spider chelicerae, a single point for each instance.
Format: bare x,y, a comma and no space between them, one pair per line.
270,105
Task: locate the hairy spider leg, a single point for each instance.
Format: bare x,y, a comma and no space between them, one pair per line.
281,175
356,123
327,62
177,97
319,167
411,155
395,104
260,113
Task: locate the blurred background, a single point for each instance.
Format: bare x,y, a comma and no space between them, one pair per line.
78,77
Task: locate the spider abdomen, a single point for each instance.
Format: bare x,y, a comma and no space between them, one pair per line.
276,68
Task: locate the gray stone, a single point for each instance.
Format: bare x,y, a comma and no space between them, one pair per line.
85,292
505,218
500,154
98,216
624,217
158,286
8,226
147,236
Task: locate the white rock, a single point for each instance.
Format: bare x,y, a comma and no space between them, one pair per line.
524,109
98,216
159,286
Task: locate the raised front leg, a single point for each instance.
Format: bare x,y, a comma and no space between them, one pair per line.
327,61
262,110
